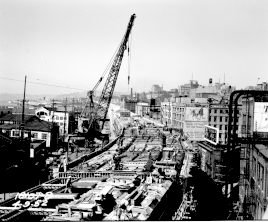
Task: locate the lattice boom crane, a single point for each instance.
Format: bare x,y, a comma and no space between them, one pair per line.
97,120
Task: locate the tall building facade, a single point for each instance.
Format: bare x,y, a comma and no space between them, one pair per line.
186,88
130,104
156,89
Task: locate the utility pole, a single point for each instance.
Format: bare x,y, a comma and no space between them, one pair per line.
53,103
52,120
23,109
73,105
17,114
73,117
65,105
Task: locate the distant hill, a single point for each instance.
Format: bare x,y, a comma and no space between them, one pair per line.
13,97
5,97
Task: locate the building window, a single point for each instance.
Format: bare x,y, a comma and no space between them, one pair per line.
215,126
226,111
44,136
34,135
262,177
254,167
220,127
266,182
221,111
61,118
226,127
258,172
57,118
65,118
16,133
215,118
61,124
226,119
220,119
215,111
210,119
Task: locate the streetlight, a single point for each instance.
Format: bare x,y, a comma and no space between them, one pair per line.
13,166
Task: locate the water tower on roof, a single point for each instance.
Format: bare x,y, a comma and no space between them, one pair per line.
210,82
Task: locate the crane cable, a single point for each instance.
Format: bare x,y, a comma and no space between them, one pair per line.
100,80
104,73
107,67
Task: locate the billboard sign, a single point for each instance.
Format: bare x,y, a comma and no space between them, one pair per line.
196,114
261,116
194,130
211,134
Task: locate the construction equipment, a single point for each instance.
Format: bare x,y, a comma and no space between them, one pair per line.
92,124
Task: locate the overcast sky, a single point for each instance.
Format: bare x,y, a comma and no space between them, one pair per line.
70,43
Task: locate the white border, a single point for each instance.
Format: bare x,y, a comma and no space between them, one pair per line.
217,135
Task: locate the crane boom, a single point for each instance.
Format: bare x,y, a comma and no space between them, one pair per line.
101,109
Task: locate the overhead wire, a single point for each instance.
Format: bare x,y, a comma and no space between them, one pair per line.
45,80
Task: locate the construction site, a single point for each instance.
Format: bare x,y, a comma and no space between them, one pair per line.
123,164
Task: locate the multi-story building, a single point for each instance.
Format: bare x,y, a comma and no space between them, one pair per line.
259,86
51,115
190,117
166,113
218,118
153,111
186,88
156,89
206,91
130,104
253,189
142,109
34,128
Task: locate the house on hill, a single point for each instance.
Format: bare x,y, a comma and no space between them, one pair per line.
35,128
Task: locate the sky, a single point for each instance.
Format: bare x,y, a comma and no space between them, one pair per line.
69,43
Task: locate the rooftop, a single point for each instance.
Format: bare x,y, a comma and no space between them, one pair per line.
32,123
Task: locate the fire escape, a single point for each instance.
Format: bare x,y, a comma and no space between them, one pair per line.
245,211
245,207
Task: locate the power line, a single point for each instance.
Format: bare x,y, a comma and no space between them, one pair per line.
42,84
51,82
